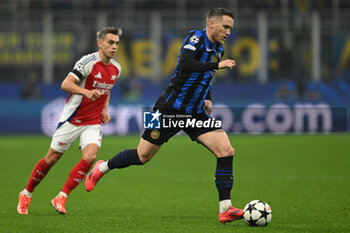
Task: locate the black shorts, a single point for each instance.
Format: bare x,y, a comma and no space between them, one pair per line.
159,136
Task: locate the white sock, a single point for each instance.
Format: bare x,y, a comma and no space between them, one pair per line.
27,193
62,194
103,167
224,205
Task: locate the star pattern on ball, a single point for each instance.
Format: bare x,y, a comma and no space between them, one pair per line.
251,208
256,213
252,222
263,213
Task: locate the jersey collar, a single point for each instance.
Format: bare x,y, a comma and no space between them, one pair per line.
209,45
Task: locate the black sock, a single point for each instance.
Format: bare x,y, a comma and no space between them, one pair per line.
124,158
224,177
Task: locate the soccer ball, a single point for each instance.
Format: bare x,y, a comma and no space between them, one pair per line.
257,213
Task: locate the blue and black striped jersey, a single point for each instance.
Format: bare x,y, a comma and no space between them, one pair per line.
197,64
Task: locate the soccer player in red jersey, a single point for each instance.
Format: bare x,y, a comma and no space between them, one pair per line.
189,94
89,85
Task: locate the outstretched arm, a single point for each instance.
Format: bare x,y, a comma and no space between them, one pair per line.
188,63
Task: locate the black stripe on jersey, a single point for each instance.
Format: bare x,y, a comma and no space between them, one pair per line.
190,93
173,91
177,71
78,74
176,86
194,86
199,100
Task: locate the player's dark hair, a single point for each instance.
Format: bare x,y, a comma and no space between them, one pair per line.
220,12
104,31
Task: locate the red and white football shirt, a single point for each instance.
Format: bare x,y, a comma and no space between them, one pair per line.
91,74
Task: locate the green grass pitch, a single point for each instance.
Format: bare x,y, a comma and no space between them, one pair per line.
304,178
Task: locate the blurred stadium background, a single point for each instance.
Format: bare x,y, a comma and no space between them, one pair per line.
293,57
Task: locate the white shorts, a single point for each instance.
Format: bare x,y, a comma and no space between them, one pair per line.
67,133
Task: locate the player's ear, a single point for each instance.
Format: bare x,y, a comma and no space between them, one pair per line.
99,43
211,22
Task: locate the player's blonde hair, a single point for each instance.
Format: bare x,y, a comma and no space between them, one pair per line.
100,35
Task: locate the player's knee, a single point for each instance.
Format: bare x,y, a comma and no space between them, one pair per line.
225,152
230,151
145,157
90,158
146,151
50,161
52,157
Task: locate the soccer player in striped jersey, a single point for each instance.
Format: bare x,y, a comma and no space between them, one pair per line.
89,85
189,93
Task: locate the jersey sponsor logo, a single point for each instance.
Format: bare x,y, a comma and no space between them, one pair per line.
114,77
194,39
98,75
191,47
104,88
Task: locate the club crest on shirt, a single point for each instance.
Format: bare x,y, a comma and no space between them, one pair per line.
155,134
215,58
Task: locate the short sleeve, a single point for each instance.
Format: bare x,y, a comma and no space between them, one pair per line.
83,67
